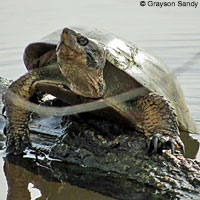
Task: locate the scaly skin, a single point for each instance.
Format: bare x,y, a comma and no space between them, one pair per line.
17,131
159,123
17,128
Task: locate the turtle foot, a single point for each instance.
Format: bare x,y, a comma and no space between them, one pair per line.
17,141
158,143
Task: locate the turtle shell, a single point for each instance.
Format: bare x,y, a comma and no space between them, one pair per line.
137,63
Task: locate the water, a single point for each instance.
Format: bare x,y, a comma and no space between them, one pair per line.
172,34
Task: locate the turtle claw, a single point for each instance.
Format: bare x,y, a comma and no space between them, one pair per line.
159,143
154,146
181,145
16,149
17,142
172,147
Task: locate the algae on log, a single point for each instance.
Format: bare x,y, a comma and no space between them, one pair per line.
102,156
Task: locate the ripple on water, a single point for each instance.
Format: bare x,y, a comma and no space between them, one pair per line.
11,62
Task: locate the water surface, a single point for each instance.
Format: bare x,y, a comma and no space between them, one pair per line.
172,34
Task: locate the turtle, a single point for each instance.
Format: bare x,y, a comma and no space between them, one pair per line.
79,65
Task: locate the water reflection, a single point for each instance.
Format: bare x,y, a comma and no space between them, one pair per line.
190,142
27,180
3,188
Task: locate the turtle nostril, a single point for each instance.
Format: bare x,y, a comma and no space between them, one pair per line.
65,30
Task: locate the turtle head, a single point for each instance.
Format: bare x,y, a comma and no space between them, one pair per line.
81,61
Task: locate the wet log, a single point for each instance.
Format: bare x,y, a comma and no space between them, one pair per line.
100,155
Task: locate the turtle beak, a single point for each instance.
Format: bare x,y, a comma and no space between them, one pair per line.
69,39
62,38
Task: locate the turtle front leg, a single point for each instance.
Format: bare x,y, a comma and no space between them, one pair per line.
159,124
16,130
47,80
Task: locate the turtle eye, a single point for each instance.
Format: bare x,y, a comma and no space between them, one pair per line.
83,41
